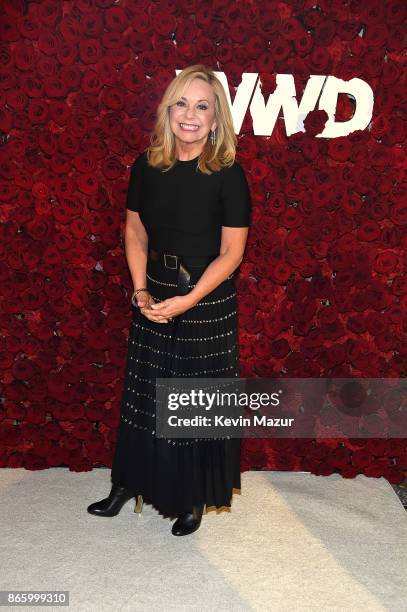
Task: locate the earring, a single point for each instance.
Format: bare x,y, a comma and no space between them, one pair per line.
213,137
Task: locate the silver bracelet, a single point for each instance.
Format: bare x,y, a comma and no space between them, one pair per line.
135,293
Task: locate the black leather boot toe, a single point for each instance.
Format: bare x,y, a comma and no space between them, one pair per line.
188,522
111,505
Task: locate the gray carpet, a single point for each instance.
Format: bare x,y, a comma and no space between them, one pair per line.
292,542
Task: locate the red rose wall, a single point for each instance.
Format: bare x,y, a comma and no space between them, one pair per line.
322,290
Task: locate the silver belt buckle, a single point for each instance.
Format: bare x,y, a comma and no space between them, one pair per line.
165,261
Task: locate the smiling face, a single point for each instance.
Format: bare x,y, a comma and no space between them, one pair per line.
192,117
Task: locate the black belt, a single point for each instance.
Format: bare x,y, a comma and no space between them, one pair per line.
182,263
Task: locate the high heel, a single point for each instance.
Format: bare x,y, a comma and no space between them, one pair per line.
111,505
139,504
189,522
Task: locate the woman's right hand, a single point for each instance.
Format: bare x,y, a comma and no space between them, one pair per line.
144,300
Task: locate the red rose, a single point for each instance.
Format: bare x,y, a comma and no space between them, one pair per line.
133,78
245,347
285,461
339,149
90,51
49,13
360,458
349,472
264,290
267,80
255,450
71,29
398,213
314,122
246,306
376,35
280,49
252,325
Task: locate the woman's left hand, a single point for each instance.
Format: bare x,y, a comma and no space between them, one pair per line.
171,307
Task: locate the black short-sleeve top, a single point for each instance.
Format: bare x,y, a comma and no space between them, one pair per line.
183,209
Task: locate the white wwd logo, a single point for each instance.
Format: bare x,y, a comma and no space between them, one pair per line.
326,88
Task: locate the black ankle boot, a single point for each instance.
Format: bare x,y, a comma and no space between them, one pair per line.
188,522
111,505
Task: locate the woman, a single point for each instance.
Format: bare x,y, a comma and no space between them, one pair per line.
188,209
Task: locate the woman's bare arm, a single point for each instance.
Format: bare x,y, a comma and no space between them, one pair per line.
233,243
136,246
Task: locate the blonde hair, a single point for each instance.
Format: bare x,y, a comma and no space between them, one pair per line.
162,154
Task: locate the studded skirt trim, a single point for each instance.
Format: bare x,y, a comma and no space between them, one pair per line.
174,474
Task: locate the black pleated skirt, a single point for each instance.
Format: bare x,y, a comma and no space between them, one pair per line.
174,474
